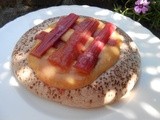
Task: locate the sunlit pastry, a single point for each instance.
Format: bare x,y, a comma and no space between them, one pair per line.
77,61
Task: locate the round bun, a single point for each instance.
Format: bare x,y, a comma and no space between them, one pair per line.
109,87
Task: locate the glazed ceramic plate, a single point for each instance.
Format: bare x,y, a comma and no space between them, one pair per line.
17,103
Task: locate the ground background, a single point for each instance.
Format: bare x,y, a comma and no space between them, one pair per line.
11,9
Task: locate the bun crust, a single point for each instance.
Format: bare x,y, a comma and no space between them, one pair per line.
109,87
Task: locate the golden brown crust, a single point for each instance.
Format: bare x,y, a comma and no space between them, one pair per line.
108,87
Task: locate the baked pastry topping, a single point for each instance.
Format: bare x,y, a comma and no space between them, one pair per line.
88,60
77,61
49,39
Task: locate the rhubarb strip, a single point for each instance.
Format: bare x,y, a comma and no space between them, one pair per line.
41,35
87,61
66,56
54,35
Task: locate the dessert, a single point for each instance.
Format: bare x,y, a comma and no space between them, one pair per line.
77,61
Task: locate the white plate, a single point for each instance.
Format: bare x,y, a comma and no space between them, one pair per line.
17,103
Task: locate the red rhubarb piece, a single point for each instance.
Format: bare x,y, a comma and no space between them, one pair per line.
54,35
40,36
87,61
66,56
112,42
58,44
63,57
